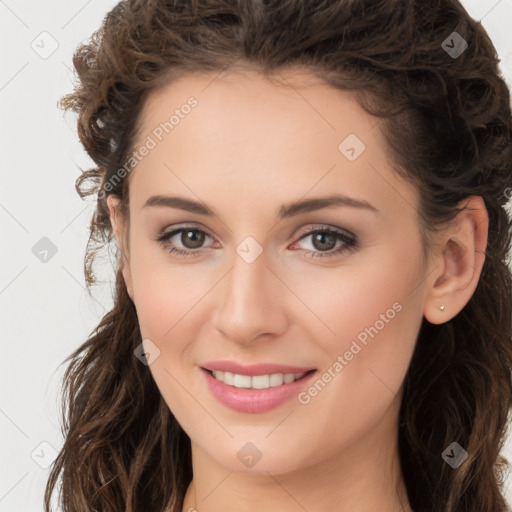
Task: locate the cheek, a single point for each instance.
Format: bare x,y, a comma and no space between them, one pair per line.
165,293
364,365
369,290
370,316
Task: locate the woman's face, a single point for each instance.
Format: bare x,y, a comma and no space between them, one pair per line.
260,280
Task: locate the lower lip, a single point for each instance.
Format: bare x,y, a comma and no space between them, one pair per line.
254,400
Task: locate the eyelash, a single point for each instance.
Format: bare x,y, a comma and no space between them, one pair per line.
350,242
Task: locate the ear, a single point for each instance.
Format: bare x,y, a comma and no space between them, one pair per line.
458,262
118,226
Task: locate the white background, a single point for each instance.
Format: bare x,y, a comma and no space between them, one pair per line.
46,312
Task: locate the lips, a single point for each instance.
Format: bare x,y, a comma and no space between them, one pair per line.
251,400
254,369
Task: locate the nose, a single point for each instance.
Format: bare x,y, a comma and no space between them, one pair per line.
250,302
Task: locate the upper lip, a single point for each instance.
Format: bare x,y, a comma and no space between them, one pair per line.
253,369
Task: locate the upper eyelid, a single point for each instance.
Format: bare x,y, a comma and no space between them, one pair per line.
310,228
176,230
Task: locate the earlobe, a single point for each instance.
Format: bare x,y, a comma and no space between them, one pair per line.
459,263
117,224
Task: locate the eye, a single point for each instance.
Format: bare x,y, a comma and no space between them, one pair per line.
190,238
324,241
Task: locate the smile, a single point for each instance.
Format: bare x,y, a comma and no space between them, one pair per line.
255,393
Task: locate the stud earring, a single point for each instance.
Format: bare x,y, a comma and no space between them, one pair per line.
441,308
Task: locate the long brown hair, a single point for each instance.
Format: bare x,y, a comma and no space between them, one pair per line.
447,121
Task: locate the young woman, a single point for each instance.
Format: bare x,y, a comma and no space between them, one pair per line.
312,308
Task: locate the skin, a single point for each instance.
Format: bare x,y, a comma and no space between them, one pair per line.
247,148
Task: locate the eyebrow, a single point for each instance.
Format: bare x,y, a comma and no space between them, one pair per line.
287,210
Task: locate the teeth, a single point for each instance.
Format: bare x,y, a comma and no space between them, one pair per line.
257,381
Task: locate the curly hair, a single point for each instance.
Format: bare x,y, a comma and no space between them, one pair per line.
448,125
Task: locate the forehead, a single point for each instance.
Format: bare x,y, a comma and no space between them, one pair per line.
246,104
244,131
